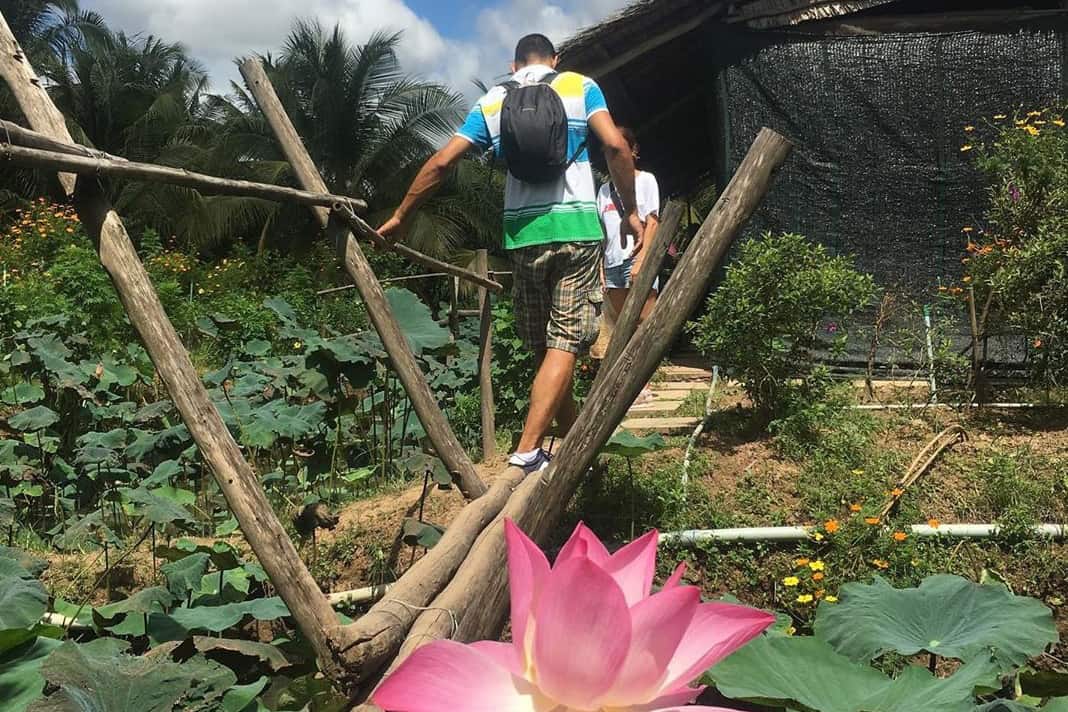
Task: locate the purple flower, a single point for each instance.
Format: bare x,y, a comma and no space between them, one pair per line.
1014,192
832,328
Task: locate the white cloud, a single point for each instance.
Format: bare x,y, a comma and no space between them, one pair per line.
217,31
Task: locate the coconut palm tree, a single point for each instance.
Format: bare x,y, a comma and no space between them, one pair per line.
369,126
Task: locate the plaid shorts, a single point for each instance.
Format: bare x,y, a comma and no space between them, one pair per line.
557,295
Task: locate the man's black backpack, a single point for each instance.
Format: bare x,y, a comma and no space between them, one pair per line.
534,131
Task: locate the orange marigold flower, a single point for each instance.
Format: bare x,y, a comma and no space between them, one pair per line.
871,520
881,563
900,536
831,526
801,562
856,507
897,492
818,576
933,523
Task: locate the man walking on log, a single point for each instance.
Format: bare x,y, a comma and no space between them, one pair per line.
538,123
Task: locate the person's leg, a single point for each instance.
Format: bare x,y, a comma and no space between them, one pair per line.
551,388
574,321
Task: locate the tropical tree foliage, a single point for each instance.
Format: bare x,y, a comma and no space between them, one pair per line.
367,124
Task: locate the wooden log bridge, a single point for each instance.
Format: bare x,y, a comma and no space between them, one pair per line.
459,589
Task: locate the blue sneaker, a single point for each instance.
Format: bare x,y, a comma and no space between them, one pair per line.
535,462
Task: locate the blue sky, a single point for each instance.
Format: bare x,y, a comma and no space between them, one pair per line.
448,41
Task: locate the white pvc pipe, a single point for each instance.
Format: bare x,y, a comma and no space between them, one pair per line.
956,531
930,350
923,406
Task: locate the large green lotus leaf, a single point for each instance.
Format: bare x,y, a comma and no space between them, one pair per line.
36,418
806,673
33,565
418,325
272,655
1057,704
157,507
946,615
281,308
23,600
20,679
97,679
218,618
239,697
147,600
626,444
185,574
23,393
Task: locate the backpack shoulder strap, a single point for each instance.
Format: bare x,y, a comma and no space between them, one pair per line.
549,78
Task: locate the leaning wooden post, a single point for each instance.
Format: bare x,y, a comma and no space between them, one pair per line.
627,320
477,596
485,360
239,484
446,446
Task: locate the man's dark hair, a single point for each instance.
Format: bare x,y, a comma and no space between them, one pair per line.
534,47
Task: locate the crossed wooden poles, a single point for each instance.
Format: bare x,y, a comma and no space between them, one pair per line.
459,589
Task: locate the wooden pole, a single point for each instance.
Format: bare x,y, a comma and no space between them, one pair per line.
151,173
627,320
239,484
485,361
446,446
28,148
377,635
475,601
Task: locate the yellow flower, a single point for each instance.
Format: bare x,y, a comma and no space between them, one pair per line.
999,117
967,228
1034,113
1032,130
791,581
831,599
881,563
969,129
817,536
966,147
805,598
200,291
966,279
858,472
297,344
1058,122
817,565
791,630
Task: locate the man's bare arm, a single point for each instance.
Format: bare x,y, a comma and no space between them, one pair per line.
621,167
425,184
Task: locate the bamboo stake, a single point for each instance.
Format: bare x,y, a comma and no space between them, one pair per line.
239,484
485,362
475,601
440,433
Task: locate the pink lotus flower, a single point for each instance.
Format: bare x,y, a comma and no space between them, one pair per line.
587,635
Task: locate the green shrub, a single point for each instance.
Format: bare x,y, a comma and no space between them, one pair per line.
782,300
1018,259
